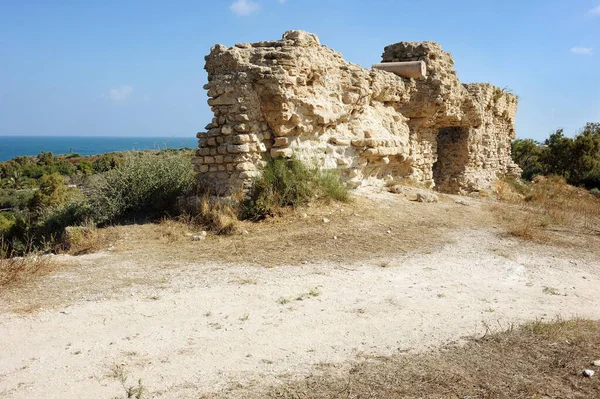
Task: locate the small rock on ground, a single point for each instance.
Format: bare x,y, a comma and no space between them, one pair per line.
423,196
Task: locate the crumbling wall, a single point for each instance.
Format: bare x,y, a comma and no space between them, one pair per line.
294,97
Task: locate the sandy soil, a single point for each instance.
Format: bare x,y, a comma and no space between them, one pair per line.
197,324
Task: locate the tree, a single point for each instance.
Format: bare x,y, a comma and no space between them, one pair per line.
557,155
526,153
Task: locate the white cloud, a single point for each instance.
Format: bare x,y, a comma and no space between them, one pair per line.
595,12
121,93
282,1
582,50
244,7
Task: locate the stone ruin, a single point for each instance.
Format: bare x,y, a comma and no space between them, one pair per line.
295,97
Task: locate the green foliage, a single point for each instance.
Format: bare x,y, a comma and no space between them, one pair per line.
7,221
52,192
286,182
576,159
22,172
136,184
13,199
526,153
106,162
53,221
144,184
85,167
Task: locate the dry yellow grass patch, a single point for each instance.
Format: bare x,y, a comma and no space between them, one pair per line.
538,360
80,240
536,210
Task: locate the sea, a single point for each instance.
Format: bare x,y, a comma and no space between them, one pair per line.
14,146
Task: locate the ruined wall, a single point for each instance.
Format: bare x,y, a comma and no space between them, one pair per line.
296,97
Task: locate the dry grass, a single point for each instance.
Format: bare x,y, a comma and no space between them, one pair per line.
88,239
300,235
218,216
538,360
18,270
537,210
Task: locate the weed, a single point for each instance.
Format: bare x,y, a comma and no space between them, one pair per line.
283,301
131,392
550,291
14,270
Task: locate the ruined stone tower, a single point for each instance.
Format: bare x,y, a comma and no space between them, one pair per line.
294,97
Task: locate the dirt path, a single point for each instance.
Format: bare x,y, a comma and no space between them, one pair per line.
202,327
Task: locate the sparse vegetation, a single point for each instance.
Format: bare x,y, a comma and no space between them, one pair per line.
15,270
546,203
538,360
131,392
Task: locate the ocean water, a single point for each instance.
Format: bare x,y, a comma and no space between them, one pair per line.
13,146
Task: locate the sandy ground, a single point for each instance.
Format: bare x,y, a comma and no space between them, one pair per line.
188,328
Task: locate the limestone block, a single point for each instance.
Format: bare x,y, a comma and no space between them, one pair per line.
281,142
281,152
236,149
223,100
245,166
222,149
241,127
241,139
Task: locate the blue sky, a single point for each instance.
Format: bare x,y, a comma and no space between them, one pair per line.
135,68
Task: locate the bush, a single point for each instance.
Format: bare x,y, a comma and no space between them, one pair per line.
7,221
15,199
286,182
52,192
144,184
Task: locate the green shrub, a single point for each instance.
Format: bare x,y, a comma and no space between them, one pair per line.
289,182
7,221
85,167
15,199
53,221
52,192
145,184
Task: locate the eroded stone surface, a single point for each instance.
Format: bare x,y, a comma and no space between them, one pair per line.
295,97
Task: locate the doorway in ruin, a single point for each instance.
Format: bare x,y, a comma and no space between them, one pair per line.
452,158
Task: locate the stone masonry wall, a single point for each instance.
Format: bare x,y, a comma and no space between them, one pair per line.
294,97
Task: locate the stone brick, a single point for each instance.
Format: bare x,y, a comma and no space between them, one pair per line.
235,149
